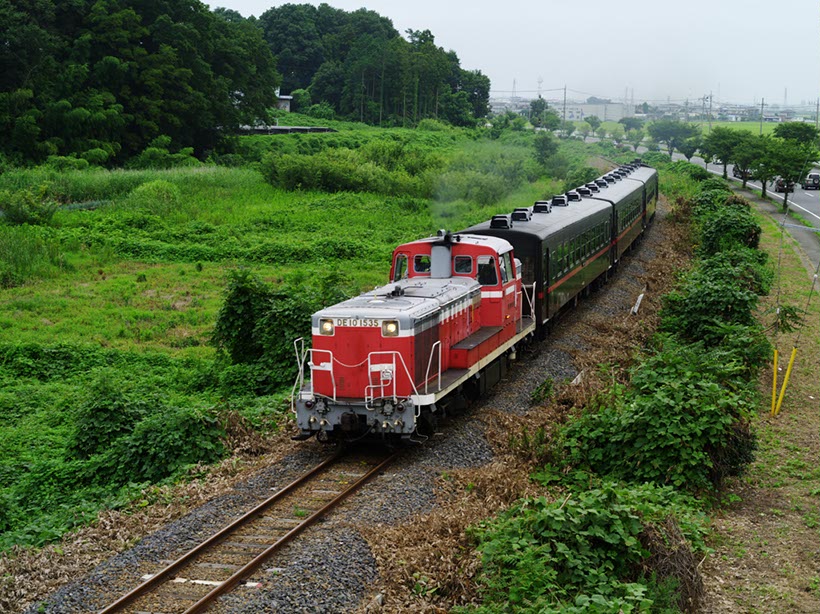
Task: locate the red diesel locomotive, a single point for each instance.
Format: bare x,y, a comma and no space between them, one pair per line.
442,330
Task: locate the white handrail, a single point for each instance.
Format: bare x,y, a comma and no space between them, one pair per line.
430,364
300,378
392,353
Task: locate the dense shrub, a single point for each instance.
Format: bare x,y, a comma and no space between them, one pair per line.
709,296
66,163
109,409
714,183
28,206
579,176
158,155
161,445
683,421
729,229
159,197
258,323
656,159
584,553
698,173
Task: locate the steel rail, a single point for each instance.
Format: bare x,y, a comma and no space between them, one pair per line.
168,571
230,583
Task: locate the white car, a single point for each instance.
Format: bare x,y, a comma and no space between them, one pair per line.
811,182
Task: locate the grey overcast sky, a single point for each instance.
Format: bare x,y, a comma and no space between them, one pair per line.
741,51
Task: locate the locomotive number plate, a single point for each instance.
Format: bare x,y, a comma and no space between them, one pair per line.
357,322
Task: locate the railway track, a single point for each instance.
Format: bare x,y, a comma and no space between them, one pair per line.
232,556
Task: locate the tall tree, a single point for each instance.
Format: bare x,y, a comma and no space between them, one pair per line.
746,154
790,160
720,143
800,132
294,40
594,123
672,132
631,123
112,75
690,146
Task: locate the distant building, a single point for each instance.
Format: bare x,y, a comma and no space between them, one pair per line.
283,102
608,112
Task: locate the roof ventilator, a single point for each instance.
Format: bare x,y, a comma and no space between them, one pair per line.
500,221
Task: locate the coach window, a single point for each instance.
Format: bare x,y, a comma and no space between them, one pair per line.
463,265
487,275
421,263
400,268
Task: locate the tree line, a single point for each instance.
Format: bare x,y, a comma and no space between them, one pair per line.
357,65
789,153
102,80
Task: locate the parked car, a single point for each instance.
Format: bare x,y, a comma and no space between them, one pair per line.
741,174
783,185
811,182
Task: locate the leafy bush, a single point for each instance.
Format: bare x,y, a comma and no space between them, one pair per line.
246,300
158,155
584,553
684,421
96,156
714,183
433,125
323,110
580,176
656,159
66,163
731,227
257,325
111,406
161,445
29,206
694,171
720,290
159,197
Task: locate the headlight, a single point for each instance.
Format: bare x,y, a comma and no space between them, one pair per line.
390,328
326,327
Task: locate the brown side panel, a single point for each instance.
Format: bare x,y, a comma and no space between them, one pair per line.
425,340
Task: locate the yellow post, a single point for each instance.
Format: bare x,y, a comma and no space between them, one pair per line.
774,382
785,382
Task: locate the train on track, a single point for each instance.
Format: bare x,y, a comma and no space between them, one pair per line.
459,306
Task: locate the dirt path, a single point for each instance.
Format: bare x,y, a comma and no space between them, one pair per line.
767,540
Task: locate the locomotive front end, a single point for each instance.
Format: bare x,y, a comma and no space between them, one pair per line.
368,360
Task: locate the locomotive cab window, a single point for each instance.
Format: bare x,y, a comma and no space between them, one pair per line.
487,275
400,267
505,264
463,265
421,263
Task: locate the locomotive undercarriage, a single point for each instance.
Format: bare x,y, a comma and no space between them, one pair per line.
390,417
352,419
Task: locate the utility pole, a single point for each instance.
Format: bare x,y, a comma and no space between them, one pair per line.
710,112
565,103
817,116
762,104
702,110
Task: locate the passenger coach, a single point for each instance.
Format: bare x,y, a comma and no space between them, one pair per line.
569,244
